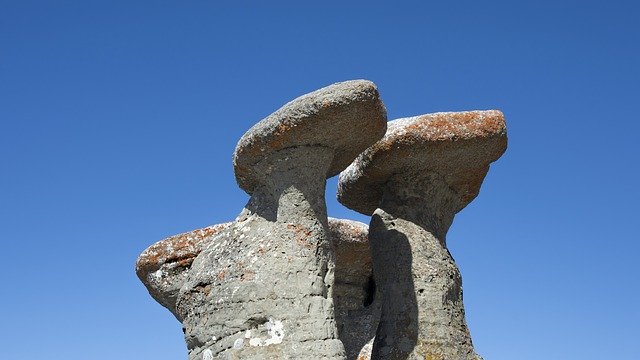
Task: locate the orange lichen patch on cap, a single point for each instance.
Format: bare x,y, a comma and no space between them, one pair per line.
179,249
458,145
462,125
440,127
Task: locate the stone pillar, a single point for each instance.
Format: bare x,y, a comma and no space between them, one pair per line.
262,289
413,181
422,310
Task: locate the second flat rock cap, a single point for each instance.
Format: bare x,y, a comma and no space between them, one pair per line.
457,145
346,117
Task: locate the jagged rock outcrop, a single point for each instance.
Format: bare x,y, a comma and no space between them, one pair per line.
413,181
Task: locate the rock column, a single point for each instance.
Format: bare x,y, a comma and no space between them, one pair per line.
263,288
422,309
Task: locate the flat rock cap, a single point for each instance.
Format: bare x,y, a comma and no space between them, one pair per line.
457,145
347,117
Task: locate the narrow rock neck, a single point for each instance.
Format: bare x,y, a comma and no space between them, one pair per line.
424,199
294,185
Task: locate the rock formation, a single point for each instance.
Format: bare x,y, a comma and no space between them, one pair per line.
262,289
357,306
284,281
413,181
163,269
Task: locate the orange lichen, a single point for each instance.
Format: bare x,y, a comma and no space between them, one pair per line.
179,249
221,275
302,235
203,289
248,275
443,127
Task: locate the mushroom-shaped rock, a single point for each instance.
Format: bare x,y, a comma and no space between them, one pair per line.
271,269
354,294
163,266
343,118
413,181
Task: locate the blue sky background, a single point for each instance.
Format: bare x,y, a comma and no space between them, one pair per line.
119,118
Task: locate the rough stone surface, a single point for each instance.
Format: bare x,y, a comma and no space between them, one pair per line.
343,117
163,266
357,306
422,310
414,181
457,145
282,281
262,288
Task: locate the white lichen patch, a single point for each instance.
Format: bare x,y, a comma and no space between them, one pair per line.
157,275
275,334
238,343
207,355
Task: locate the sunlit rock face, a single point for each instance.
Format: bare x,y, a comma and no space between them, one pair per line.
164,266
413,182
263,287
284,281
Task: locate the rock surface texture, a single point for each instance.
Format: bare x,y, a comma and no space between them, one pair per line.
284,281
357,306
163,267
262,289
413,182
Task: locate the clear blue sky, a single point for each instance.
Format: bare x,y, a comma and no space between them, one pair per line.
119,118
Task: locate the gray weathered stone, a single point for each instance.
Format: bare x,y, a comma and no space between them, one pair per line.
343,117
413,182
262,289
163,266
357,306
